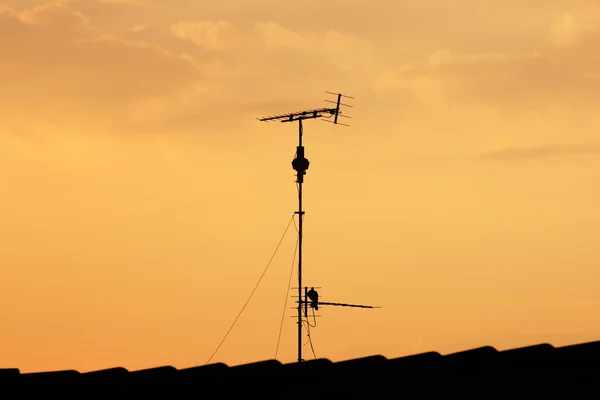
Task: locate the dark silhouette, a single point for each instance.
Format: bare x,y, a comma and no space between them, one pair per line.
300,164
314,298
534,371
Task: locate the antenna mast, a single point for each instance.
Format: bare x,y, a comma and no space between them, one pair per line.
300,165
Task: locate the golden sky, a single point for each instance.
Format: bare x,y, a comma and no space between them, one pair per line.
141,199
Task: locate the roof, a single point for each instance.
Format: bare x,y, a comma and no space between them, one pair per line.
534,367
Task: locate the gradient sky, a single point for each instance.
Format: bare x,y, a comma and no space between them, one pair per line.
141,200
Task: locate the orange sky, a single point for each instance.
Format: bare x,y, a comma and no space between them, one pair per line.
141,199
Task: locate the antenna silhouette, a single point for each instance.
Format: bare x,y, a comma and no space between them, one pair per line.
300,164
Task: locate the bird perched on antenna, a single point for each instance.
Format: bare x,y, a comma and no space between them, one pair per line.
314,298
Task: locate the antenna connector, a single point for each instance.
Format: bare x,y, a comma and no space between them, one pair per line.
300,163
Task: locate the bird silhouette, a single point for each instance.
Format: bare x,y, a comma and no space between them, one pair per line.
314,298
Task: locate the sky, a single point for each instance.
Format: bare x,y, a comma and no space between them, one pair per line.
141,199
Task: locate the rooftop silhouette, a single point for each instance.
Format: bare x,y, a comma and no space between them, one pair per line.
537,369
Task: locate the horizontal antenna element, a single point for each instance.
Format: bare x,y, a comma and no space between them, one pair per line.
325,112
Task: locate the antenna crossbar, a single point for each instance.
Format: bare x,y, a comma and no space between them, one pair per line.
327,303
301,115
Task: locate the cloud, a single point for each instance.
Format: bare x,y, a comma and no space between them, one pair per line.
132,2
563,70
301,61
209,35
56,17
68,72
569,28
264,62
541,152
331,42
61,70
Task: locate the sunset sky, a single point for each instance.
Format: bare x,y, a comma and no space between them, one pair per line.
141,199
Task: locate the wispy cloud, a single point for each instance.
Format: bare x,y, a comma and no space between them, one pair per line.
546,151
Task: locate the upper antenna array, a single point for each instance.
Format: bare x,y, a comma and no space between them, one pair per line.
325,112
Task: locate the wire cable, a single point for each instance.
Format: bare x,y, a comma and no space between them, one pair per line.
307,327
311,344
309,338
314,318
287,295
253,290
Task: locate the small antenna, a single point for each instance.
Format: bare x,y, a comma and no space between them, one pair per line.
338,104
326,112
300,165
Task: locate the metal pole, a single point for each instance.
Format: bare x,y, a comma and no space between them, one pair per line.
301,214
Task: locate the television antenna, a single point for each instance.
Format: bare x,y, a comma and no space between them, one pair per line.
300,164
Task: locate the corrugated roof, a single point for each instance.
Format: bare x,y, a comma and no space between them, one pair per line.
521,367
